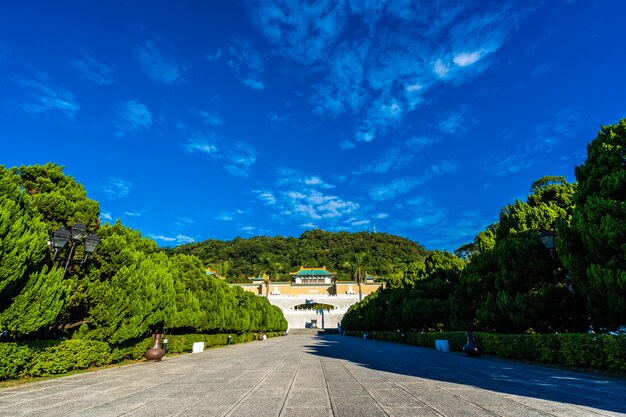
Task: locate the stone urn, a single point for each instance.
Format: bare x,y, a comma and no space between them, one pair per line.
471,347
155,353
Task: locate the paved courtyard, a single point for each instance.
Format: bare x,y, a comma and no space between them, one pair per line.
326,375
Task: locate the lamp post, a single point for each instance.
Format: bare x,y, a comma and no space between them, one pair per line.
74,236
548,238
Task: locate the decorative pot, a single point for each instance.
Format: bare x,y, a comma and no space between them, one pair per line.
155,353
471,347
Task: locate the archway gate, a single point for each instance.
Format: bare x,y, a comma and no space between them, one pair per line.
306,318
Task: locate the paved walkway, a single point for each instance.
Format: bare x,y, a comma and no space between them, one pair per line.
330,375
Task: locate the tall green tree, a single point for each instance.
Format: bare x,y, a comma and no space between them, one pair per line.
31,292
516,286
593,244
59,198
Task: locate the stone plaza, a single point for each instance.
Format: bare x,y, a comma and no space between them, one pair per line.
311,375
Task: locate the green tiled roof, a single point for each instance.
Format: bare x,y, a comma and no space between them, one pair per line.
311,271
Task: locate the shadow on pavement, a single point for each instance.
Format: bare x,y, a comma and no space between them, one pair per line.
496,375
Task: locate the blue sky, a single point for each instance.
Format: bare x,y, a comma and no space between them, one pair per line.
215,119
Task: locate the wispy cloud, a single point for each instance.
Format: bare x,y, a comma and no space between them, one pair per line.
457,122
567,123
397,156
276,118
184,221
238,156
461,227
116,188
161,66
253,230
225,217
201,143
389,190
245,61
178,239
43,97
402,52
209,117
301,30
92,70
306,198
296,178
105,215
133,117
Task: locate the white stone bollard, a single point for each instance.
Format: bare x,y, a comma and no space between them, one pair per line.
442,345
197,347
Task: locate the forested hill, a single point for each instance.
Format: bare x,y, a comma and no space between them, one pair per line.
240,258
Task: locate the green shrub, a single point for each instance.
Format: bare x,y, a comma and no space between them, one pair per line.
68,356
53,357
571,349
14,357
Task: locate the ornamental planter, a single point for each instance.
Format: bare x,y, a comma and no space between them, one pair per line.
155,353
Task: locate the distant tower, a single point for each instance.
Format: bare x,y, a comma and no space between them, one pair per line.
374,228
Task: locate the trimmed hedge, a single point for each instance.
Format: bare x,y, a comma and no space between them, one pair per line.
55,357
571,349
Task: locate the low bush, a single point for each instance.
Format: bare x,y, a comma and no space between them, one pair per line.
69,355
570,349
45,358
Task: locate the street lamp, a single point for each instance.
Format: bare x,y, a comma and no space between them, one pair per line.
548,238
74,236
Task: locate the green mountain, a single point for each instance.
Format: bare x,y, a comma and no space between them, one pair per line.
239,258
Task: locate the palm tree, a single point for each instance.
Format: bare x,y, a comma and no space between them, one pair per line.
359,274
271,267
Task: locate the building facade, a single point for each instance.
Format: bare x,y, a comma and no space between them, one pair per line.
309,288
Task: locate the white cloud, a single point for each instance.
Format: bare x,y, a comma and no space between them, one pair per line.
132,213
225,217
346,144
238,156
381,216
457,122
179,239
106,216
294,177
245,61
161,66
43,97
387,70
266,197
389,190
116,188
94,71
133,118
210,118
465,59
200,143
184,221
440,68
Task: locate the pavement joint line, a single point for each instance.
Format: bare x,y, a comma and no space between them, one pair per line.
412,395
365,389
246,395
293,378
425,381
135,392
123,396
209,393
330,400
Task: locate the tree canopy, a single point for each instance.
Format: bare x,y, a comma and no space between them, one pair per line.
240,258
593,244
127,290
